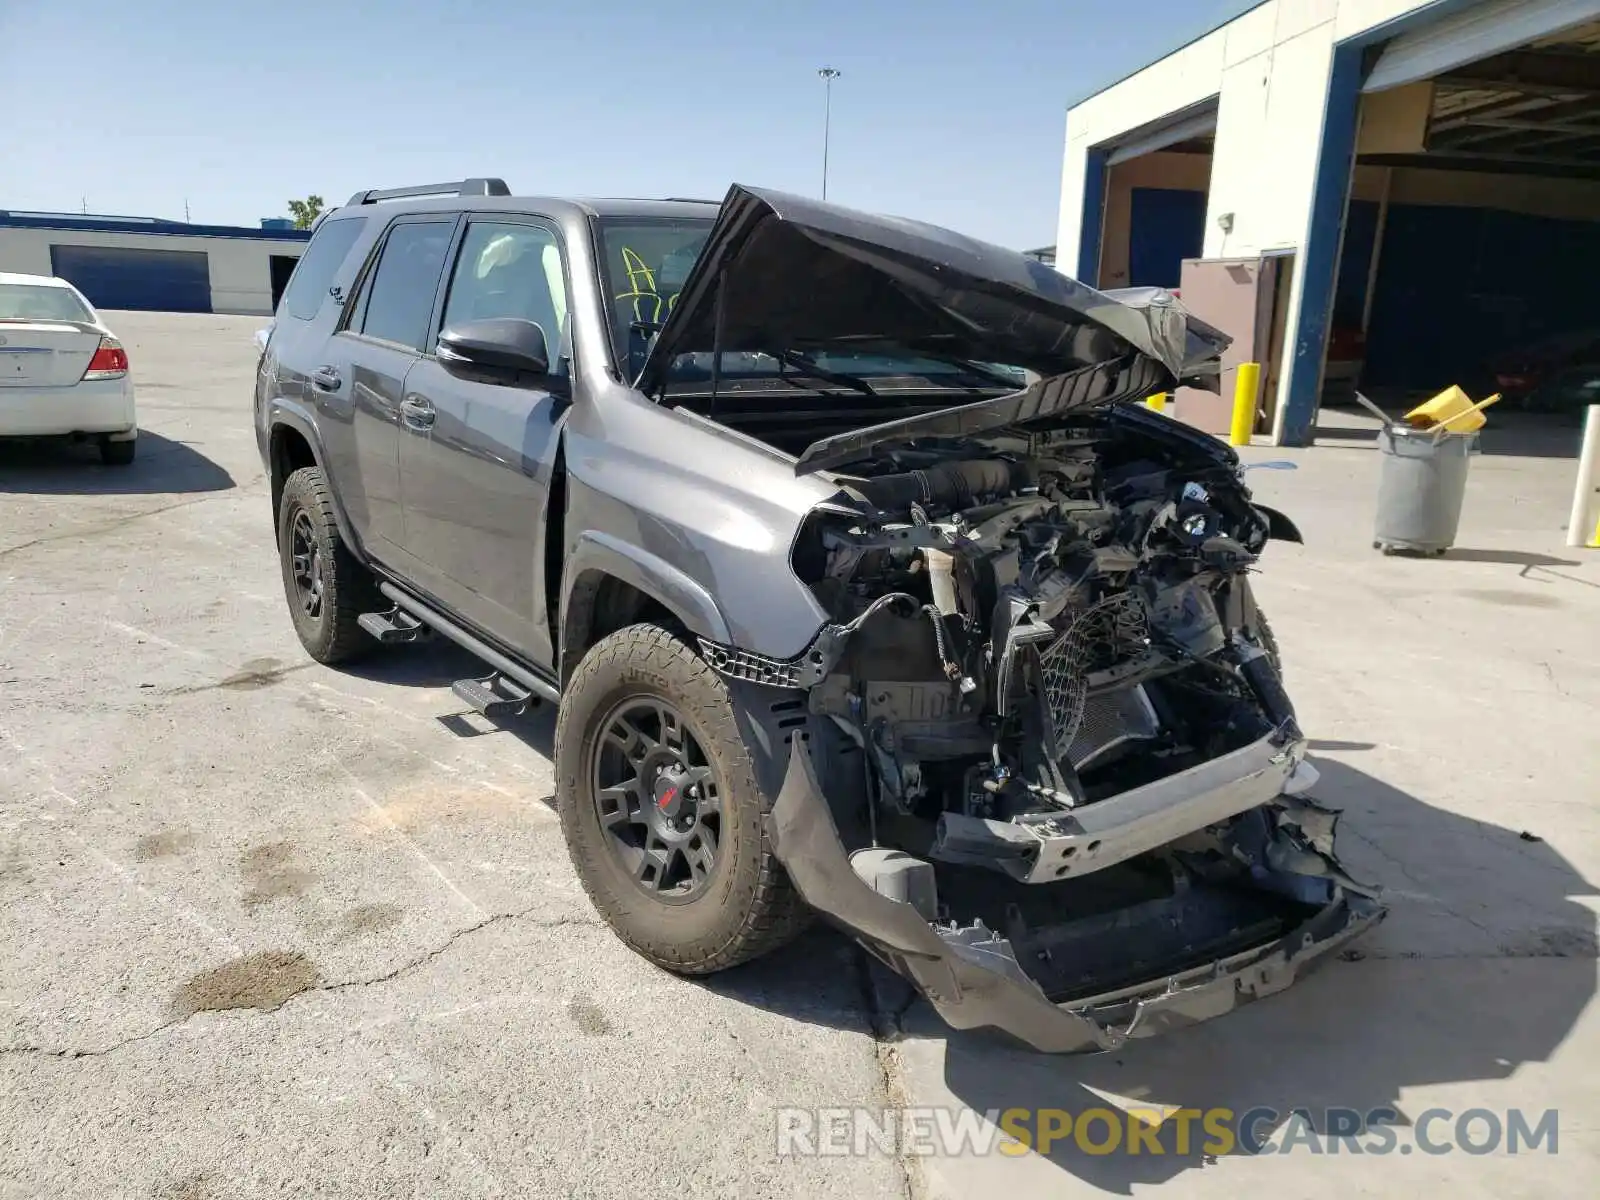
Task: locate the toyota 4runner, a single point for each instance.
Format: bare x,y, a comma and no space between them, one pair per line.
862,584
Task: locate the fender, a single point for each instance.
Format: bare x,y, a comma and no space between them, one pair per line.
595,553
1279,526
294,415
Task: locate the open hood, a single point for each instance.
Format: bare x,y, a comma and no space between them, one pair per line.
799,274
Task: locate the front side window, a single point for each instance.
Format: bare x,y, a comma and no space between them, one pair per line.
314,273
507,269
398,303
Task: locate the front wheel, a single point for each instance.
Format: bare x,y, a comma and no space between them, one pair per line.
661,811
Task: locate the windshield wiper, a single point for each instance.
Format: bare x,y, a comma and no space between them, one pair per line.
802,362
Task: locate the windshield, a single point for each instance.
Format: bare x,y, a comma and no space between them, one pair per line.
645,262
40,302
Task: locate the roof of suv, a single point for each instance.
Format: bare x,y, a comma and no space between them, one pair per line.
552,206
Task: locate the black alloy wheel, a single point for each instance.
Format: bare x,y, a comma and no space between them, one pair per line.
305,559
658,799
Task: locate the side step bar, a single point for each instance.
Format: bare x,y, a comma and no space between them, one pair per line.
494,695
393,627
509,680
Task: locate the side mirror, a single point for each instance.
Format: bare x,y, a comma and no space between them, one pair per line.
498,350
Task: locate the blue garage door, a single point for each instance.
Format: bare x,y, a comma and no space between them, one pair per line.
1168,226
122,277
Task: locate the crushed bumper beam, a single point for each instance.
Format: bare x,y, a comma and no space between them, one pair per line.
972,988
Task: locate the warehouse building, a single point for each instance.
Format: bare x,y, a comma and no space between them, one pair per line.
1390,194
147,263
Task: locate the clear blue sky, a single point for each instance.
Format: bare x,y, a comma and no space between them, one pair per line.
949,112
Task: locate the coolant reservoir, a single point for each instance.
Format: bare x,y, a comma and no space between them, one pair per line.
942,580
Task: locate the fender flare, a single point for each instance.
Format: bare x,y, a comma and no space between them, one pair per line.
295,416
595,553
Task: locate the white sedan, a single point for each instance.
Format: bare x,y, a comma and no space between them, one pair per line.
62,372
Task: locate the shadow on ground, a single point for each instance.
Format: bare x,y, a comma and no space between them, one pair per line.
58,467
437,663
1484,965
1515,558
1443,993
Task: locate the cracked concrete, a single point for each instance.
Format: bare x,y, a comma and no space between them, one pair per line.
400,970
402,989
180,792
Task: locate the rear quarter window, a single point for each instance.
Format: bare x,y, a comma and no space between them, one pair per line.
315,272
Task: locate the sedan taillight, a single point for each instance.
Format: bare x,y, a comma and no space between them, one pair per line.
110,361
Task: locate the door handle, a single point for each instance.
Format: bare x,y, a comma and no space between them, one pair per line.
327,378
417,413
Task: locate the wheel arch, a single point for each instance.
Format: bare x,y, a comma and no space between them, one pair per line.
292,443
608,583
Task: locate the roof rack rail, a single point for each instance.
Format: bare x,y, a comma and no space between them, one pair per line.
463,187
689,200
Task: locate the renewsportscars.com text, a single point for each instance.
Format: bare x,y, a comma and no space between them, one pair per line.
934,1131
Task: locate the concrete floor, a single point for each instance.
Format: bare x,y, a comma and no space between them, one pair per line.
271,929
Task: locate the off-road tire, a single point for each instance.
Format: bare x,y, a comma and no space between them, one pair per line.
332,636
117,454
750,906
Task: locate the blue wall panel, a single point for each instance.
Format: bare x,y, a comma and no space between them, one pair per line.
1166,226
123,277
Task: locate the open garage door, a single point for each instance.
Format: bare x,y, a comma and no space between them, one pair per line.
124,277
1156,181
1472,234
1481,31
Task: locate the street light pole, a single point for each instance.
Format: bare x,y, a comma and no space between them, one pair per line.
829,74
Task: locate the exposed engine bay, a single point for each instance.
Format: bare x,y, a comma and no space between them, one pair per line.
1078,760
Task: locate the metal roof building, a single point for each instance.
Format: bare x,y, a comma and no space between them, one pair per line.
149,263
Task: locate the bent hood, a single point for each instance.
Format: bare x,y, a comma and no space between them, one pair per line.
799,274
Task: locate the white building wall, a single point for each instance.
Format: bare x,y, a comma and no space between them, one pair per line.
1268,70
241,277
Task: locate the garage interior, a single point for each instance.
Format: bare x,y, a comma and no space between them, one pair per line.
1471,241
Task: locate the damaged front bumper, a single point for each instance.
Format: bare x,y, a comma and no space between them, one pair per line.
972,984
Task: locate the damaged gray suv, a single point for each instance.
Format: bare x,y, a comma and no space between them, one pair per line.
862,584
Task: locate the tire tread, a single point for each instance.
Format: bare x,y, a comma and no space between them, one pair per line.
773,912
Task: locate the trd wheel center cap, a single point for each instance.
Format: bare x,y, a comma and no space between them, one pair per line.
670,795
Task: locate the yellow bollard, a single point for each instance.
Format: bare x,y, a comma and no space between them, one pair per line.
1244,404
1157,402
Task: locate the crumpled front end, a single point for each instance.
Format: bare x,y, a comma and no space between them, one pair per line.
973,978
1041,760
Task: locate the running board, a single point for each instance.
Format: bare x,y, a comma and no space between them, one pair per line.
393,627
494,696
514,679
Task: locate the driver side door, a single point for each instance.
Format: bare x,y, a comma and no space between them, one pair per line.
476,458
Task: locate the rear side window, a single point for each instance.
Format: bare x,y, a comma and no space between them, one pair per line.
313,274
399,296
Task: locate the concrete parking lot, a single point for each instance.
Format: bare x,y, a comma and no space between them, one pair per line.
270,929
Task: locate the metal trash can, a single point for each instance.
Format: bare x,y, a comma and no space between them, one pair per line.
1421,484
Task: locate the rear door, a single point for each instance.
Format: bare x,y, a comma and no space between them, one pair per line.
47,336
358,383
476,458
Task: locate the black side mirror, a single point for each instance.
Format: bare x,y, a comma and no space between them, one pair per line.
497,350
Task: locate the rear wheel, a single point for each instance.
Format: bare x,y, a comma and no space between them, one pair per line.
117,454
661,811
327,588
